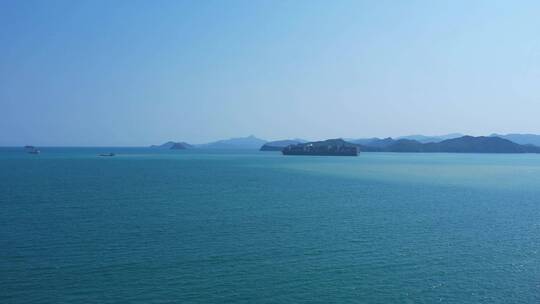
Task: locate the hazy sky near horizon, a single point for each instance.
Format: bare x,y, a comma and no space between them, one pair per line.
144,72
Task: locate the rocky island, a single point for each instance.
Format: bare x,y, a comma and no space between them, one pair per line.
330,147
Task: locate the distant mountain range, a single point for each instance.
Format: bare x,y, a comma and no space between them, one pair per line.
174,146
250,142
510,143
427,139
374,142
464,144
419,138
522,139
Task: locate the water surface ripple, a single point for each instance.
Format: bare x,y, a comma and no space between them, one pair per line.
150,226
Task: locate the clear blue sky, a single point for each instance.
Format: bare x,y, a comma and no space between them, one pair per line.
143,72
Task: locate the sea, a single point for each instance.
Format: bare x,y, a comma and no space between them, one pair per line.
195,226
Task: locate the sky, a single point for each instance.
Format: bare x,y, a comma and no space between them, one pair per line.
135,73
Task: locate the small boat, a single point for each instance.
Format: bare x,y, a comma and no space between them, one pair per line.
107,154
34,151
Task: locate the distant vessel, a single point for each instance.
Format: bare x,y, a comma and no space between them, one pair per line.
107,154
330,147
32,150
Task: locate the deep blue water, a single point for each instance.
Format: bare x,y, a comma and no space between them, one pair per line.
151,226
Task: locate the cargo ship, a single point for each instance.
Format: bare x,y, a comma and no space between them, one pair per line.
107,154
330,147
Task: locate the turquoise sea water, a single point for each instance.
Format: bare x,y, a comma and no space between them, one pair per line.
150,226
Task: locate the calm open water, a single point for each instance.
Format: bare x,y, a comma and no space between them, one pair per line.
151,226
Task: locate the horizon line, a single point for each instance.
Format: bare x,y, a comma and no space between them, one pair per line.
253,136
